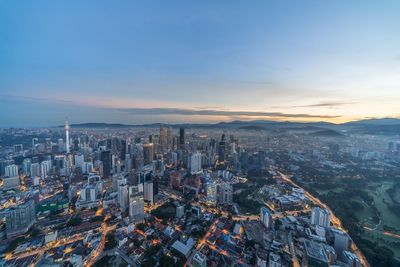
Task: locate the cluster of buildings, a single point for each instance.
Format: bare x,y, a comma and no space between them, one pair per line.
153,195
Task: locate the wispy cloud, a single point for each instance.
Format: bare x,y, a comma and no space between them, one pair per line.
213,112
328,104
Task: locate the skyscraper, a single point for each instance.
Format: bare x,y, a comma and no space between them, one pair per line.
195,163
162,140
181,138
222,148
136,204
107,164
148,153
148,192
66,137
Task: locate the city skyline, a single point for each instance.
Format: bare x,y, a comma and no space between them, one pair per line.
177,62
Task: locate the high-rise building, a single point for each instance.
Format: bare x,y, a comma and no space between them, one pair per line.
211,191
45,168
266,217
169,138
341,243
148,153
136,204
106,158
35,169
180,211
123,196
67,145
175,179
60,144
11,170
181,138
225,193
222,149
320,217
148,192
79,161
162,138
195,163
316,254
26,166
20,218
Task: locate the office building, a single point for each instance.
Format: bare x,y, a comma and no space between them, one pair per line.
181,138
180,211
136,205
316,255
35,169
106,159
20,218
195,163
225,193
266,217
211,191
148,153
320,217
148,192
67,145
222,149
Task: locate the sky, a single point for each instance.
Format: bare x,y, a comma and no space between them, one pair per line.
173,61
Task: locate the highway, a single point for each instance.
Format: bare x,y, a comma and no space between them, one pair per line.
334,220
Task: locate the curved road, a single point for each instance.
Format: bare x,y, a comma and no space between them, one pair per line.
335,220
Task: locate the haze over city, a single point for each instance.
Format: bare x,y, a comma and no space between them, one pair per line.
203,61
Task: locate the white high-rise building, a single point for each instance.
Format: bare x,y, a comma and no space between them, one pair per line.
45,168
122,194
66,137
195,163
211,190
35,170
11,170
136,204
266,217
148,192
80,161
320,217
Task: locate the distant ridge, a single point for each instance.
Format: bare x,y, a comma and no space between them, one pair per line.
385,126
327,133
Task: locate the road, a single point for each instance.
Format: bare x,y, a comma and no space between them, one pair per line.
382,232
97,252
295,261
334,220
47,247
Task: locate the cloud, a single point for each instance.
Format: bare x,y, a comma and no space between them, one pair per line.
328,104
213,112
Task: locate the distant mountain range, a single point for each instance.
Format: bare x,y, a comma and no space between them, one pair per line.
386,126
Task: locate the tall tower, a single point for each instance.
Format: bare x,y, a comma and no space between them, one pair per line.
66,137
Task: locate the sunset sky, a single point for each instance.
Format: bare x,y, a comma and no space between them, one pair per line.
198,61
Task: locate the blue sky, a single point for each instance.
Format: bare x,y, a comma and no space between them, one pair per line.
168,61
